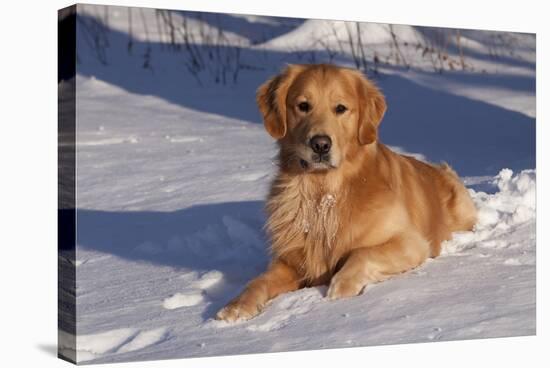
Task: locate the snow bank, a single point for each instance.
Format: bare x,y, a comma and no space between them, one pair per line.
316,34
513,205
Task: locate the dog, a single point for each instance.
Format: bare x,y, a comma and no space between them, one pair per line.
344,209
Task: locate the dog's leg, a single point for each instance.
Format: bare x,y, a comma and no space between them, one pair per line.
377,263
279,278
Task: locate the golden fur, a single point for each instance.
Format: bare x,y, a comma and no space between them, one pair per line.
360,213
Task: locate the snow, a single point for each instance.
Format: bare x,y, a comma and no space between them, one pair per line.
145,22
312,31
122,340
512,207
172,179
183,300
502,92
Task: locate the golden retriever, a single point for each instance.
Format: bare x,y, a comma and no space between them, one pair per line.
344,209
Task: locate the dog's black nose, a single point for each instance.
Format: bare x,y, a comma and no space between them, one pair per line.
320,144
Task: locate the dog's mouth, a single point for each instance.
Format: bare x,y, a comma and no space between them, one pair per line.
317,163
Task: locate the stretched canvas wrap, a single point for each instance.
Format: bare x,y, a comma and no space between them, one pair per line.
165,166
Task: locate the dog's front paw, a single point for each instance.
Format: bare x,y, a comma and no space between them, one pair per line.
237,311
344,287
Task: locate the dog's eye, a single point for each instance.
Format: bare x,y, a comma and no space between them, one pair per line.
340,109
304,106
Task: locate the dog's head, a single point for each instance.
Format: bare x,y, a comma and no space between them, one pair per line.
320,114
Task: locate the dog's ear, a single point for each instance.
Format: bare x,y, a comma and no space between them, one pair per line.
271,100
372,107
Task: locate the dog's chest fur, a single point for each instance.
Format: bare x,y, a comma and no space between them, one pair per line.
303,222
